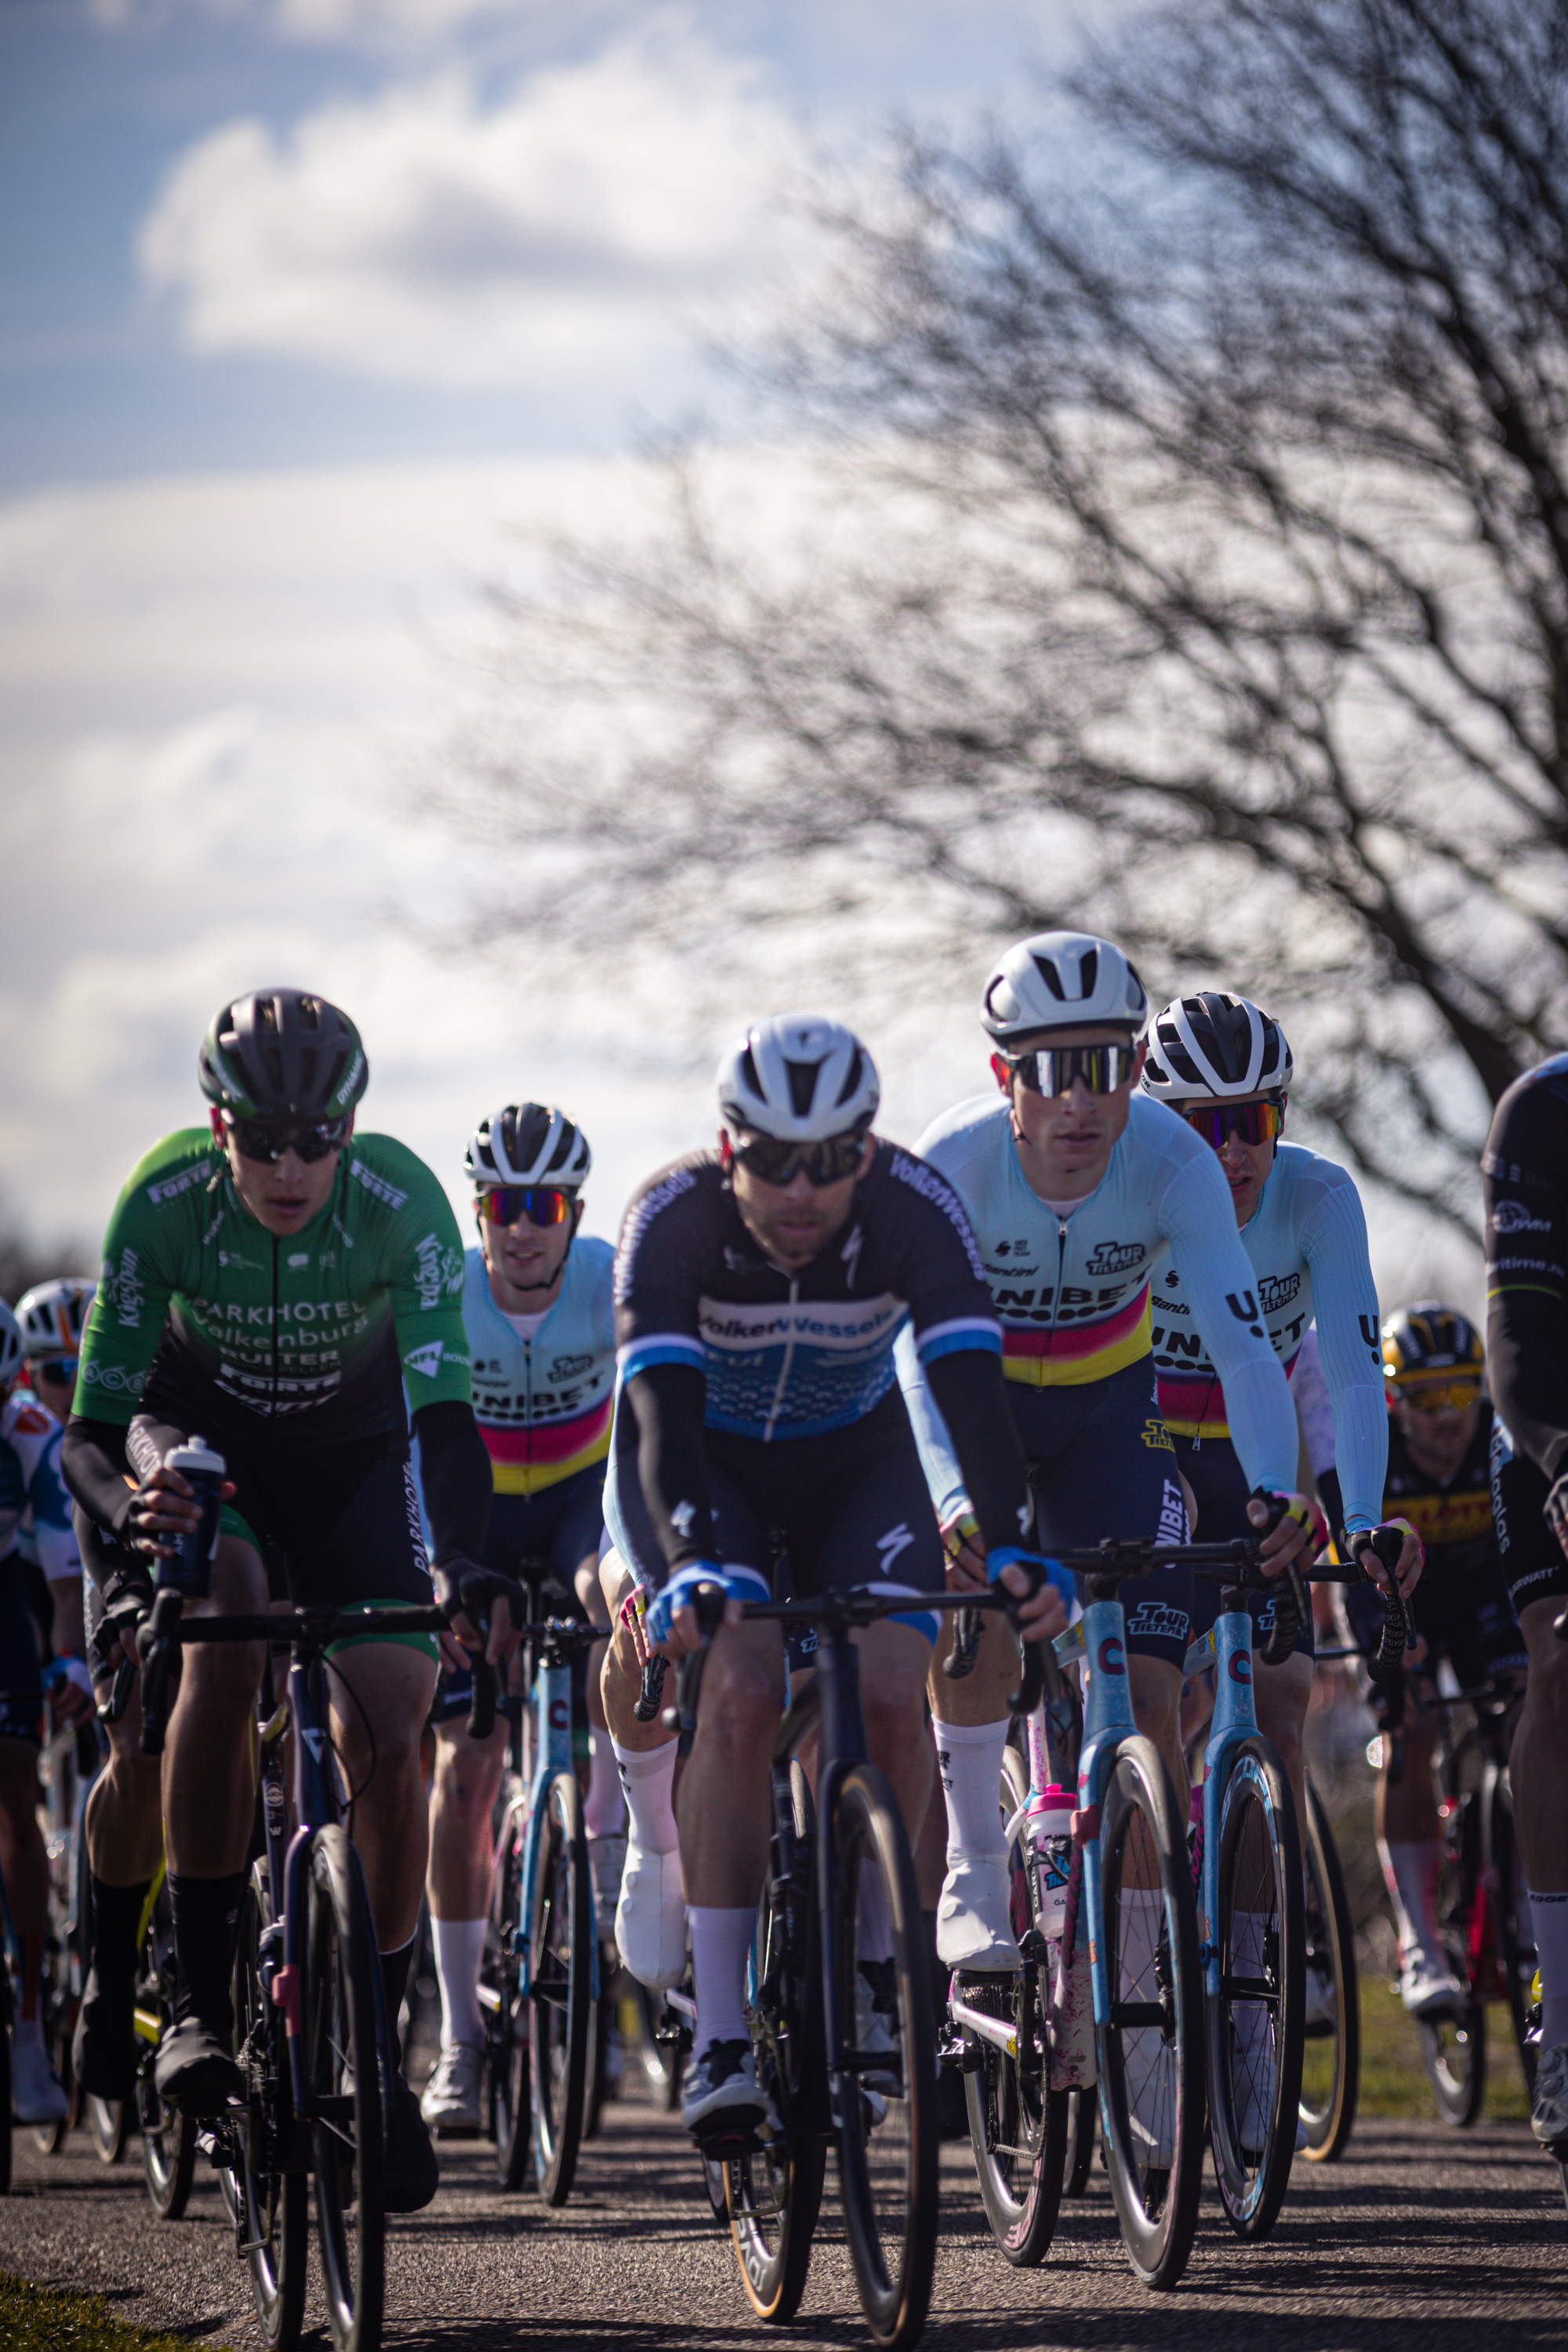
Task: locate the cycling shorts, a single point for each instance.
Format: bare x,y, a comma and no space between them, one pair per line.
1101,1463
1468,1620
21,1671
1212,1471
541,1538
1531,1559
851,1507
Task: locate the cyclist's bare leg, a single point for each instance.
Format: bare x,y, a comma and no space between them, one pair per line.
462,1799
395,1685
1282,1694
893,1660
22,1857
981,1696
1405,1812
208,1787
723,1804
1539,1752
124,1818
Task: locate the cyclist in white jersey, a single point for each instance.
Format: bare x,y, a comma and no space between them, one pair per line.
1224,1065
1079,1188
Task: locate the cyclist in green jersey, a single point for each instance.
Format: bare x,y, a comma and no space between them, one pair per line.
274,1284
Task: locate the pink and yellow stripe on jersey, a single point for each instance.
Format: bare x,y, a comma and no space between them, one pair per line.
523,1460
1081,1352
1192,1404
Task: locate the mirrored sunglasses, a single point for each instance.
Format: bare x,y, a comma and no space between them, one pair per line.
776,1161
1254,1122
270,1138
542,1204
1051,1070
1440,1396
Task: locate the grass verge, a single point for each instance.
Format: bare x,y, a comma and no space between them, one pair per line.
1392,2080
54,2319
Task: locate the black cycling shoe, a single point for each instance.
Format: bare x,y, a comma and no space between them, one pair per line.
410,2174
195,2071
105,2058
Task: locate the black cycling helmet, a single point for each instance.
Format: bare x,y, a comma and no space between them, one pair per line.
1424,1340
282,1054
528,1143
1214,1047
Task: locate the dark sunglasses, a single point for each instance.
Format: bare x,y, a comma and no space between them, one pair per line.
1050,1070
542,1204
270,1138
1439,1396
776,1161
58,1370
1254,1122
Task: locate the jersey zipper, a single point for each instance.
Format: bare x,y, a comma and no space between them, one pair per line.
528,1401
784,1368
274,1327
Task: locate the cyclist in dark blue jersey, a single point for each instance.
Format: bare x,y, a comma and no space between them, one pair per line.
759,1291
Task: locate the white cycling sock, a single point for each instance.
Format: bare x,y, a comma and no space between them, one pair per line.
647,1776
969,1761
720,1942
1410,1871
606,1810
1549,1913
459,1947
873,1914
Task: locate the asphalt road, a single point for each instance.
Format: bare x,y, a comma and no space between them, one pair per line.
1419,2237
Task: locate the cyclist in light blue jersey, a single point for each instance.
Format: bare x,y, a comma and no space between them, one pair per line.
1224,1065
1079,1189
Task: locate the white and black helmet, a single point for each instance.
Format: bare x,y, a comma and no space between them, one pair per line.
53,1315
1062,980
1214,1047
10,1348
798,1077
528,1143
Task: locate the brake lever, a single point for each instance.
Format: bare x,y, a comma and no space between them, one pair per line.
1388,1543
1291,1606
113,1708
961,1658
652,1692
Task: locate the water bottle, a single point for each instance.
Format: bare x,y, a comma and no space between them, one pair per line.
1049,1821
189,1566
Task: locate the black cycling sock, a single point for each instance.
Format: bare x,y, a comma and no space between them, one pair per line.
116,1916
394,1968
206,1914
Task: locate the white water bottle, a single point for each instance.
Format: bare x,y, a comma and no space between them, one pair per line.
1049,1823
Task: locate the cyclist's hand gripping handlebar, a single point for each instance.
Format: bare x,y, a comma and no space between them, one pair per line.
1291,1606
472,1592
706,1601
1041,1674
1387,1543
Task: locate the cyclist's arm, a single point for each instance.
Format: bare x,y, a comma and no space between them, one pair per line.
1195,1214
972,1397
666,1403
1333,1243
96,1470
455,1475
933,1437
1527,1271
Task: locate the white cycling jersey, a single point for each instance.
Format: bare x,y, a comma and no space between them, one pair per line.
34,1509
1072,1291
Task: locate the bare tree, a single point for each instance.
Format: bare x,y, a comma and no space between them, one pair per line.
1188,557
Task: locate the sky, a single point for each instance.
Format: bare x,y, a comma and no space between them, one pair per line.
311,311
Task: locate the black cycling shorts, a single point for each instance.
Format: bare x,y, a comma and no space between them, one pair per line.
1100,1464
851,1509
1468,1620
540,1537
1531,1557
1211,1469
21,1673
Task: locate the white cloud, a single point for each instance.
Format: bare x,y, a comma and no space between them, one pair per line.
427,235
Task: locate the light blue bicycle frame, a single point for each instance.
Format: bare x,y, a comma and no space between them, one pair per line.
1228,1649
551,1702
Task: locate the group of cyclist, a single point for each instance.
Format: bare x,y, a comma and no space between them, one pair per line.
1072,1312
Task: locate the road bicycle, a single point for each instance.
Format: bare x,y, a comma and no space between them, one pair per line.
839,2005
311,2029
539,1985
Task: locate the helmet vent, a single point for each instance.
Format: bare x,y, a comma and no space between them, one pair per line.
1087,965
1047,972
801,1086
852,1080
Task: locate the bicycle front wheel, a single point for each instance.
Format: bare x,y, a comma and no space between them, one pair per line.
506,2018
344,2087
1150,2046
1516,1950
561,2001
270,2202
1331,2030
1454,2043
168,2139
1253,2040
1017,2125
888,2128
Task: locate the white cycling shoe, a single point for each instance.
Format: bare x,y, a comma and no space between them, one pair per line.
452,2100
973,1916
650,1918
1427,1987
38,2096
1549,2105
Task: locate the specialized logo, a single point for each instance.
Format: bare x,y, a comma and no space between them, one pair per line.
1513,1217
681,1519
850,1254
1112,1658
888,1546
1115,1257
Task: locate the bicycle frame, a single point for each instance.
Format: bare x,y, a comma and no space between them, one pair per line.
1107,1719
1233,1720
550,1699
843,1746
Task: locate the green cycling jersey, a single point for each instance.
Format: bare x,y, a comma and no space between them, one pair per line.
327,1326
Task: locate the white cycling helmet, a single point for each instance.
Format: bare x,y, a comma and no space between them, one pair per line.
798,1077
53,1315
10,1349
1216,1047
1062,980
528,1143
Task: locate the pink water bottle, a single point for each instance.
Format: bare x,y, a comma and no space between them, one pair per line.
1049,1823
